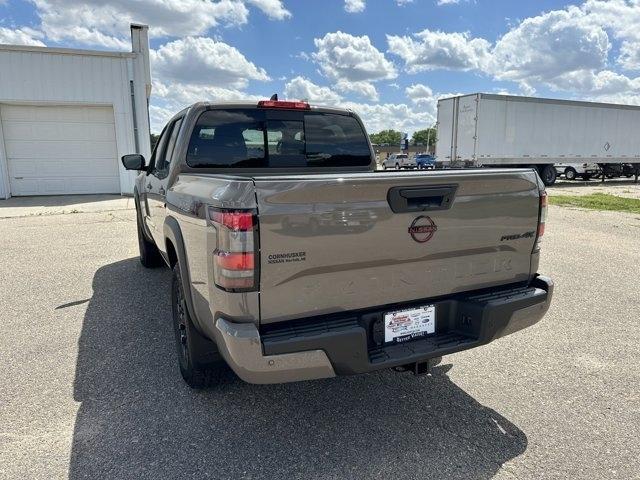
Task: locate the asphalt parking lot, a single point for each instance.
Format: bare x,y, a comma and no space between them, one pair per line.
90,387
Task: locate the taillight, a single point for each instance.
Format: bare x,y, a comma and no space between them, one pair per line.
235,258
542,218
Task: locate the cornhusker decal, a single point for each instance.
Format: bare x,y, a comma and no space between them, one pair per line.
422,229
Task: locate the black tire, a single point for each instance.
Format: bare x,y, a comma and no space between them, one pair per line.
200,362
570,174
397,166
384,166
586,178
149,254
548,174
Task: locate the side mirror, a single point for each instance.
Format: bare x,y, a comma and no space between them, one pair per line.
134,161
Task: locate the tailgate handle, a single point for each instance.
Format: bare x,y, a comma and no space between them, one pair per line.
421,199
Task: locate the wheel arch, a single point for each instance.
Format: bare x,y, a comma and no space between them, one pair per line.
176,253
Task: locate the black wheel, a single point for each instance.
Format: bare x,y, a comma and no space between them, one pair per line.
570,174
548,175
397,166
586,177
149,254
200,362
384,166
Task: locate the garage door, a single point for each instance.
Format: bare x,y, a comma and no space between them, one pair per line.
60,150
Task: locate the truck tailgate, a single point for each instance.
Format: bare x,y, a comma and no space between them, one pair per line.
332,243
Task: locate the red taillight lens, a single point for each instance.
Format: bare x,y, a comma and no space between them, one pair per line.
542,218
284,104
234,261
232,219
235,257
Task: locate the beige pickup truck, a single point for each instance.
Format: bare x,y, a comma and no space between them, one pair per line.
293,259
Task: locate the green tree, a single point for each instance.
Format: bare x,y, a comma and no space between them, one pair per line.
426,137
154,139
392,137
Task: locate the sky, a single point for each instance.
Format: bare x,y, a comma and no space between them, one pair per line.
389,60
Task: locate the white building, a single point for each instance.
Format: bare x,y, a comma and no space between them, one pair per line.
67,116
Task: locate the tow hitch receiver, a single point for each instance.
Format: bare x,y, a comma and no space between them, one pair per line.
420,368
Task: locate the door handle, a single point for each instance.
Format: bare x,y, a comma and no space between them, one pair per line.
148,186
420,199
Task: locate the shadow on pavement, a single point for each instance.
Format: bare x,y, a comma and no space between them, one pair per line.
56,200
138,420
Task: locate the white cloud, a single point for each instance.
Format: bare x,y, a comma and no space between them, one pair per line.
196,69
171,97
96,22
448,2
430,50
354,6
629,58
564,50
375,116
604,82
544,47
400,117
342,56
300,88
21,36
206,61
402,3
272,8
362,88
419,94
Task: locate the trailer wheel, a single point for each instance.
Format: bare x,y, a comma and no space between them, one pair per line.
548,174
586,177
570,174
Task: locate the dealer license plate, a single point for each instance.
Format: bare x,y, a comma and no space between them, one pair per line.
410,324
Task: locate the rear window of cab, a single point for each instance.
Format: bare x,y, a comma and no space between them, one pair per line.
256,138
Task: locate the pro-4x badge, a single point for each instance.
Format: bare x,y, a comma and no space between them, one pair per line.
422,229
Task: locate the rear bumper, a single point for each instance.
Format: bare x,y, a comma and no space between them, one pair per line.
351,342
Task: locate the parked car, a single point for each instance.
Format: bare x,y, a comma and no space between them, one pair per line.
571,171
398,161
216,204
424,161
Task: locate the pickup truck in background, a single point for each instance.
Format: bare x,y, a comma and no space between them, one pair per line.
398,161
572,171
292,259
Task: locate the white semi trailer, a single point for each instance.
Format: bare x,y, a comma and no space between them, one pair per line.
502,130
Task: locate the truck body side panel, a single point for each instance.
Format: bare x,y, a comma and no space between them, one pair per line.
187,201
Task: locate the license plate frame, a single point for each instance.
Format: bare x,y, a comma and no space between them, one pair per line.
409,324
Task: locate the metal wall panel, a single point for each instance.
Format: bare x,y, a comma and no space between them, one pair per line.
43,76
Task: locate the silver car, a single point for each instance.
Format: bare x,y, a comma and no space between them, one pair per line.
398,161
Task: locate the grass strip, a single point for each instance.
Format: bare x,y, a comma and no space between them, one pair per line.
598,201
